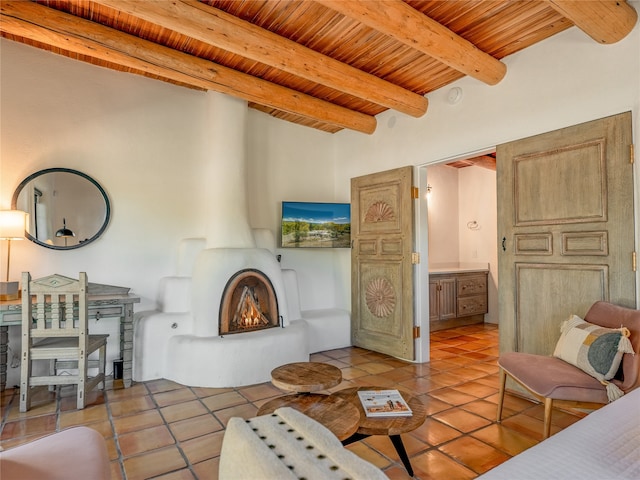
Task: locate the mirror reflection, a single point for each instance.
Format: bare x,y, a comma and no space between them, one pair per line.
67,209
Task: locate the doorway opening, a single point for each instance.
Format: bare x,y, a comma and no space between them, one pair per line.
457,235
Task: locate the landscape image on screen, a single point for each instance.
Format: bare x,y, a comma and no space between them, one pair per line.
313,225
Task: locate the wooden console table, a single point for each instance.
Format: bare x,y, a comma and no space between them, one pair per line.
105,302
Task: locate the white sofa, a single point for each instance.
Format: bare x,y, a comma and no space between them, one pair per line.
603,445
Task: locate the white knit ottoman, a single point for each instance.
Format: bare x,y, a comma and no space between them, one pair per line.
288,445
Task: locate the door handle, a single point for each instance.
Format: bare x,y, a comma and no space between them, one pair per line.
504,244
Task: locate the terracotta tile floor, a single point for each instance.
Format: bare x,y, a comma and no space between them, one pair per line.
160,429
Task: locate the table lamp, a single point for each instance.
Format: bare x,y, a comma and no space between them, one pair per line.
13,224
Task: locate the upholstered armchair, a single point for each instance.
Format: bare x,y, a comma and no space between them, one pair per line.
557,381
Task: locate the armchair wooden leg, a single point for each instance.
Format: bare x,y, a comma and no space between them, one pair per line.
548,405
503,382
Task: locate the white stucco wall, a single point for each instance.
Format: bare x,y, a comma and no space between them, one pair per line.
171,160
140,139
443,212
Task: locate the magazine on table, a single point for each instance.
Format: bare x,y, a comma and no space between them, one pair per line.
384,403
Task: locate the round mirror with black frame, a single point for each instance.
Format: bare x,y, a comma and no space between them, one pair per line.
67,208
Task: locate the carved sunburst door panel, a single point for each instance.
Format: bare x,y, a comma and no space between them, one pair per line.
382,273
381,310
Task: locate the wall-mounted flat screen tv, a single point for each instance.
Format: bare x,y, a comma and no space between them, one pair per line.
316,225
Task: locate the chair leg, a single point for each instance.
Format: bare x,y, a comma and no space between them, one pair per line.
82,378
52,371
25,396
102,365
25,384
503,382
548,405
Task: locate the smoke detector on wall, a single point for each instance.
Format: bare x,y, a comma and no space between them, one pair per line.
455,95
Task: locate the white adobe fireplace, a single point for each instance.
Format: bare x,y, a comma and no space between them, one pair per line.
183,342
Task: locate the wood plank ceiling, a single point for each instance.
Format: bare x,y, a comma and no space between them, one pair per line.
325,64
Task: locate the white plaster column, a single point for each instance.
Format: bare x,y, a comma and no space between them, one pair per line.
224,179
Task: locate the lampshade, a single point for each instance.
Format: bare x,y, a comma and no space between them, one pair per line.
64,231
13,224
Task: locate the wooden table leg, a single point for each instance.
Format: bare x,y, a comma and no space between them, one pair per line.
4,357
126,344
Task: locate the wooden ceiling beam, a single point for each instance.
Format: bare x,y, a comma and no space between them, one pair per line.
215,27
73,34
407,25
484,161
604,21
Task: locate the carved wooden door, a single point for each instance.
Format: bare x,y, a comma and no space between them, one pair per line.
381,262
565,229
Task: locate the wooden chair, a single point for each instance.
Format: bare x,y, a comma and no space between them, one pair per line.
55,328
558,383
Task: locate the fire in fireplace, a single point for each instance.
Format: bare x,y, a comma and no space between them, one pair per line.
248,303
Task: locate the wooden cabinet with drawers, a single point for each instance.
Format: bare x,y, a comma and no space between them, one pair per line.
457,299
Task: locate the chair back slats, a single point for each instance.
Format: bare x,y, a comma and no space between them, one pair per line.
58,306
41,313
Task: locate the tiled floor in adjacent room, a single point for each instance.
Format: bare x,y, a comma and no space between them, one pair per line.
160,429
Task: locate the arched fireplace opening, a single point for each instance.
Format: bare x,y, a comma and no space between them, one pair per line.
248,303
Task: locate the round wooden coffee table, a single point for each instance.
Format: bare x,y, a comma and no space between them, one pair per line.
389,426
304,377
338,415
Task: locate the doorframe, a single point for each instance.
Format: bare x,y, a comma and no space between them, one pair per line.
421,273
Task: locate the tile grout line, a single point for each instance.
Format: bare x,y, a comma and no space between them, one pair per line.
116,439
